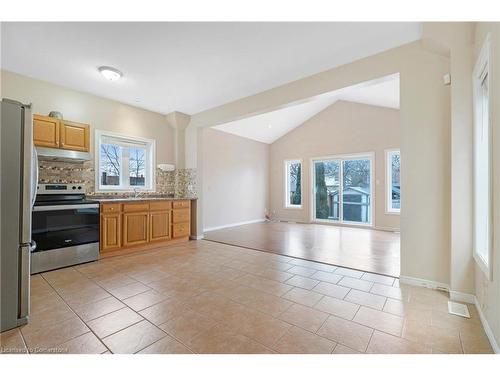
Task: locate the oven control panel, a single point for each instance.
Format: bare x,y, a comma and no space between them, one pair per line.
60,189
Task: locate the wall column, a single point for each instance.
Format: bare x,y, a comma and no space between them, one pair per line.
179,122
193,140
458,39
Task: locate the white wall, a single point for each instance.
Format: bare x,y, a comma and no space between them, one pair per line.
488,292
235,179
425,143
342,128
100,113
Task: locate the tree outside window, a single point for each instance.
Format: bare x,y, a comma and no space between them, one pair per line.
293,183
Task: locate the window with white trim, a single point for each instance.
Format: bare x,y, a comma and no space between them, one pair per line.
482,161
293,184
124,163
393,184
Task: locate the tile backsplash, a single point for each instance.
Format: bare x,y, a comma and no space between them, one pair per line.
179,183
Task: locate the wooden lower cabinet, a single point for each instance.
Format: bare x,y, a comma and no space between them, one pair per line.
159,226
135,228
144,223
181,230
111,232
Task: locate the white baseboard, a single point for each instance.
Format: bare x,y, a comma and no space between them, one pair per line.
197,237
487,329
387,229
462,297
281,220
233,225
424,283
456,296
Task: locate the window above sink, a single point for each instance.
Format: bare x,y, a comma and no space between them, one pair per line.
124,163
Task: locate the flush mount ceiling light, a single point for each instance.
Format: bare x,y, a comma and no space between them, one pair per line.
110,73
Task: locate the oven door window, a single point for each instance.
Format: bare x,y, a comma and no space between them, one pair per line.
63,228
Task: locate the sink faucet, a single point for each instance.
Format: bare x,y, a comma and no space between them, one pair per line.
136,192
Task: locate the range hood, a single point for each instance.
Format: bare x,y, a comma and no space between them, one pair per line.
57,154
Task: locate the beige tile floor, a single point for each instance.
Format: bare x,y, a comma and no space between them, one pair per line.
206,297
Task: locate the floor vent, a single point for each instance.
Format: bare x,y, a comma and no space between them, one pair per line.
459,309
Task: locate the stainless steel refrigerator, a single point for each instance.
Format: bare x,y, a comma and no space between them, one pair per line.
19,175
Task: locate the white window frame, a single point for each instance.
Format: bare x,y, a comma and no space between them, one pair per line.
149,144
482,70
343,157
388,181
287,203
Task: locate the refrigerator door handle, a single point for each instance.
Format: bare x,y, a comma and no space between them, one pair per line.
27,174
34,177
24,282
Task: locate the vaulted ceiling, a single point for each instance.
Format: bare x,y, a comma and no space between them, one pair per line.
270,126
189,67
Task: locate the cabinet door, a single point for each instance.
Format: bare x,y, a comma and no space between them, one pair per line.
45,131
74,136
135,228
110,232
159,226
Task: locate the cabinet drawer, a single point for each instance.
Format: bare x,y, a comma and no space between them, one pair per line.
110,207
180,230
160,205
181,204
181,216
136,207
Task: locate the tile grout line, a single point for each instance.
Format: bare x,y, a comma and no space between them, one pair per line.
461,342
137,312
259,290
74,312
126,306
369,341
217,323
302,328
24,340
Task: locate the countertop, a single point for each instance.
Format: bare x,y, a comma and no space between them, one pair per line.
138,199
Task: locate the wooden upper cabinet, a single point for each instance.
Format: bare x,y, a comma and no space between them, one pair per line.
45,131
159,226
74,136
55,133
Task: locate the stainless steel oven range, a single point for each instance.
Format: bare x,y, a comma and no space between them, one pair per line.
65,227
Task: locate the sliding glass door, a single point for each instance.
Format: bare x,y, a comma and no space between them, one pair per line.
327,189
342,190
